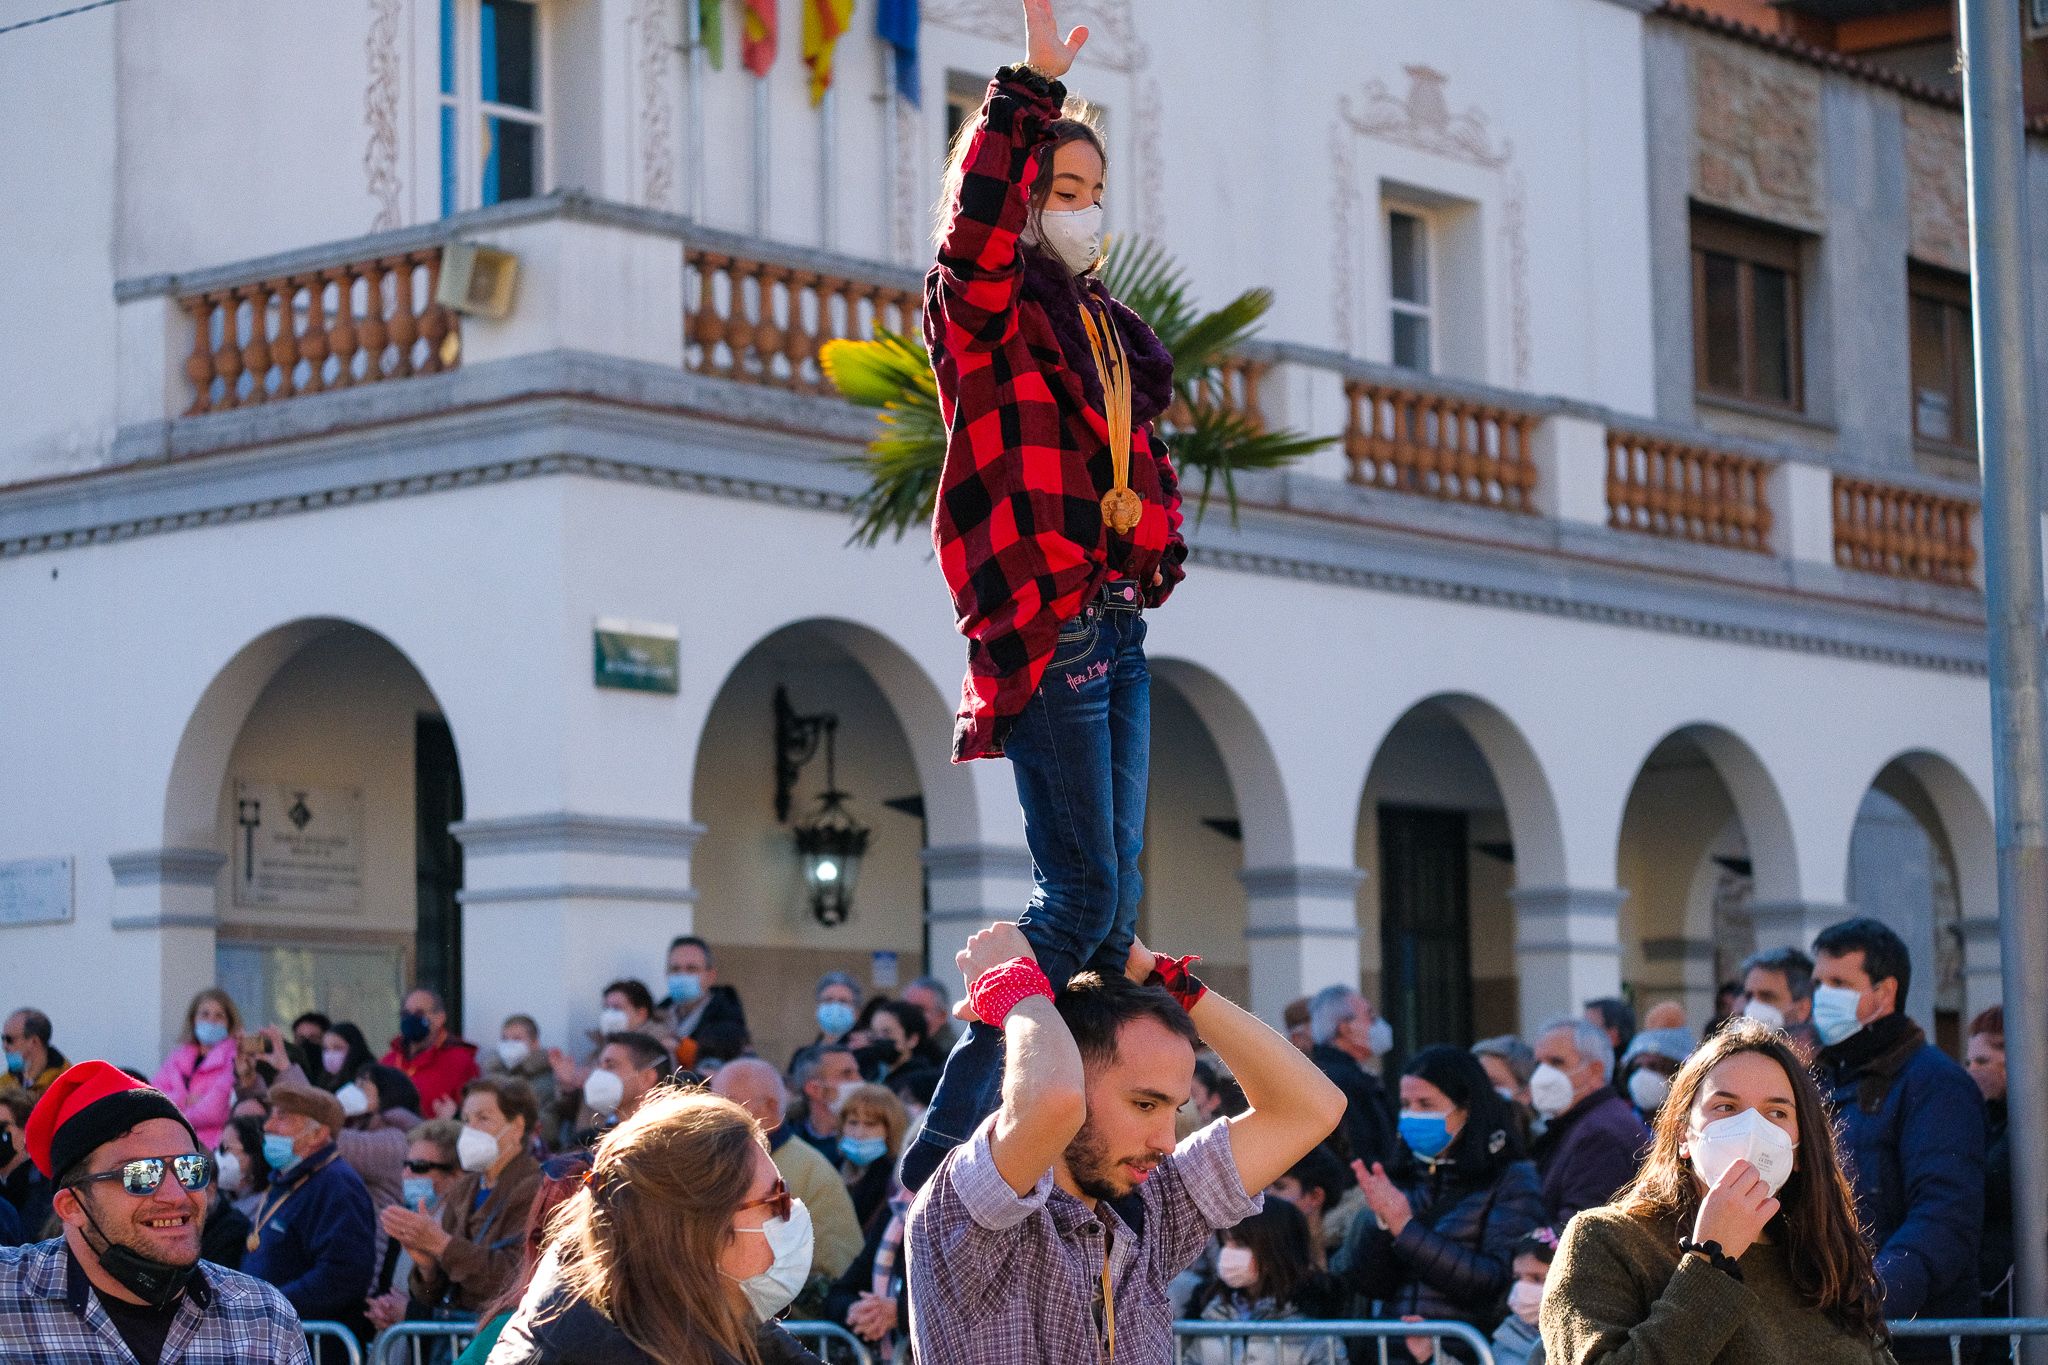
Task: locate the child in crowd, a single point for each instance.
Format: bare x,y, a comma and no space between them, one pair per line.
1264,1274
1517,1341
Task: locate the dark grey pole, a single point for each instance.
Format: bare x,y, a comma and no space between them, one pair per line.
1995,135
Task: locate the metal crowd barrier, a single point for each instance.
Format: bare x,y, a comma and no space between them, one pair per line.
421,1343
823,1336
2009,1330
1240,1334
318,1333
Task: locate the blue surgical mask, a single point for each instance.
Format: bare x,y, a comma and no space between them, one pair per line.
684,987
1426,1134
834,1017
16,1063
862,1151
417,1190
278,1153
1834,1013
209,1032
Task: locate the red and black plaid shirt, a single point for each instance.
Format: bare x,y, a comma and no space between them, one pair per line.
1019,527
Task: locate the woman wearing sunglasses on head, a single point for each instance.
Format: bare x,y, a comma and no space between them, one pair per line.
1736,1244
680,1248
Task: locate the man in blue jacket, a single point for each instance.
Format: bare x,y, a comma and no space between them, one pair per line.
314,1230
1915,1127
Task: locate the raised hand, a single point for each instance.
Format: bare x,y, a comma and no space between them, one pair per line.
1047,54
1383,1196
1138,967
1735,1211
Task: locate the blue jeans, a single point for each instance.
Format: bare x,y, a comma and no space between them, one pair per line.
1081,752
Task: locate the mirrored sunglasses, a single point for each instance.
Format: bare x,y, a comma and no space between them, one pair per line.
145,1175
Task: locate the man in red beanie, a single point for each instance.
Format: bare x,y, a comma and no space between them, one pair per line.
125,1282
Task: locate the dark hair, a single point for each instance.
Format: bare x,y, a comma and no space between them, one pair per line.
1616,1014
1277,1238
1541,1243
313,1017
35,1024
1220,1083
692,941
249,1129
1096,1007
914,1084
916,1028
647,1053
636,993
1320,1169
515,1099
1796,967
1884,953
1490,1138
18,1104
359,1055
395,1089
1991,1021
1825,1254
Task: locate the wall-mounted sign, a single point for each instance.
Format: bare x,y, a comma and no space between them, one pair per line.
637,656
35,891
882,970
298,848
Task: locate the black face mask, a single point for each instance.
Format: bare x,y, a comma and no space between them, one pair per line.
158,1284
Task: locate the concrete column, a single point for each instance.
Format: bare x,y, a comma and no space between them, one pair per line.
554,905
1567,949
1794,923
1301,933
165,906
1571,469
1803,512
1310,399
969,886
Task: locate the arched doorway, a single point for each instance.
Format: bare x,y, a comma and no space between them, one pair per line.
1704,838
320,762
1194,901
751,902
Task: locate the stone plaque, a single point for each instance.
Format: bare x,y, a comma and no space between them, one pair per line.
298,848
35,891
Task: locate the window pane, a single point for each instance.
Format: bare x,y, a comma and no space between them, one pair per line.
1411,341
1722,306
509,153
1772,339
1933,414
447,47
1408,250
1964,345
450,173
508,53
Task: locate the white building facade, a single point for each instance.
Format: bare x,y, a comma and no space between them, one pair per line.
1542,683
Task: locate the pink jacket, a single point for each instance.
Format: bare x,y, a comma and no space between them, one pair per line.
202,1084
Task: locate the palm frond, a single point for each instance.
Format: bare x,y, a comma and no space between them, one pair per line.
877,373
1217,442
1214,335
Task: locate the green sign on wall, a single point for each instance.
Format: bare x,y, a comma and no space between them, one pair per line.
636,657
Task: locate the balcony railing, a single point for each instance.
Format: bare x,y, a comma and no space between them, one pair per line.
1687,492
357,322
762,321
1453,449
1903,532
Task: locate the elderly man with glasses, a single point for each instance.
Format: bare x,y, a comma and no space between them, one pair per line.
124,1282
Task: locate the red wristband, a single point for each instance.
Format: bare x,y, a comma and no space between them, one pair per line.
1182,984
998,990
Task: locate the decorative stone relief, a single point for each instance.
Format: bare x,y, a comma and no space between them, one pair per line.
654,63
1937,193
1756,134
1423,120
380,111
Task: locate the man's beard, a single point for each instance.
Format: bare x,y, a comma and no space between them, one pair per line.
1096,1174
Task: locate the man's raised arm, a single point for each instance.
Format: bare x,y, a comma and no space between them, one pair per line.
1293,1104
1045,1096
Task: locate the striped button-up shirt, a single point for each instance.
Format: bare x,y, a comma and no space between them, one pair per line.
1002,1279
50,1314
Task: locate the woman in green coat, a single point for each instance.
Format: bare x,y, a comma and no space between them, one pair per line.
1737,1243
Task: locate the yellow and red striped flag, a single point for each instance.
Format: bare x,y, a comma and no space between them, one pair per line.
757,36
824,21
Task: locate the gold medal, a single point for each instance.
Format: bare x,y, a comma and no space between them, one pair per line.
1122,509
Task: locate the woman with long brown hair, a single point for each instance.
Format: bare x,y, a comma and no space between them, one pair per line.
1737,1243
680,1248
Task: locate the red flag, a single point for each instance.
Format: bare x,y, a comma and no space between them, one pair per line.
757,42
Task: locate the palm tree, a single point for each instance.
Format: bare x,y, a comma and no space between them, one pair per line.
1205,435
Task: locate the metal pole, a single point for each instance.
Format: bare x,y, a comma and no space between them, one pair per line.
1995,139
828,168
694,25
760,219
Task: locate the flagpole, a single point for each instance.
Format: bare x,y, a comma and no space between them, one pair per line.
693,23
828,168
891,148
760,156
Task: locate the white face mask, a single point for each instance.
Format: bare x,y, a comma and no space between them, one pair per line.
775,1288
1073,235
1380,1037
1236,1267
1550,1091
513,1051
475,1150
841,1091
354,1103
604,1092
611,1021
228,1171
333,1059
1648,1089
1747,1136
1765,1013
1525,1300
